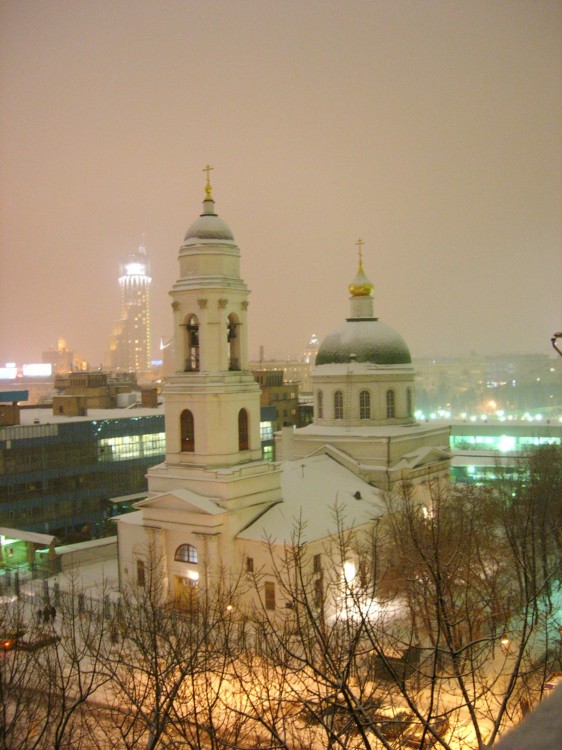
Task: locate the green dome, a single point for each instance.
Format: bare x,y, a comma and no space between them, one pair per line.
364,340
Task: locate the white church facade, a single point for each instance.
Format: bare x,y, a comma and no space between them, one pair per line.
214,504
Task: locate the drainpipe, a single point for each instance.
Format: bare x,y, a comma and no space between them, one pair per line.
388,463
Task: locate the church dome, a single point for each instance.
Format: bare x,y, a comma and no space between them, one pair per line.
364,340
361,286
209,226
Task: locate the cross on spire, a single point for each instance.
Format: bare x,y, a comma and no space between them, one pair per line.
360,244
208,189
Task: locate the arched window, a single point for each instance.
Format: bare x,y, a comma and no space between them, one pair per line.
390,404
243,434
233,340
319,404
192,344
187,430
409,404
364,405
186,553
338,405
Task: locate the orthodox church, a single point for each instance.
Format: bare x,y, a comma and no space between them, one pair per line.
214,502
364,405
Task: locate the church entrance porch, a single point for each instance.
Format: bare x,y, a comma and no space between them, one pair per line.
186,593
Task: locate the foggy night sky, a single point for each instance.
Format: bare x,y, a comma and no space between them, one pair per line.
429,129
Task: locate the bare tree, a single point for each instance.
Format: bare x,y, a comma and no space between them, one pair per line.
170,662
416,633
428,627
51,671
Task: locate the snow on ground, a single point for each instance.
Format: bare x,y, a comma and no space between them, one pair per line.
93,579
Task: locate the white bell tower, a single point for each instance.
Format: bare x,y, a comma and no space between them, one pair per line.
214,481
212,400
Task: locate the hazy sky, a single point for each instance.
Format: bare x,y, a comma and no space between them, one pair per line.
429,129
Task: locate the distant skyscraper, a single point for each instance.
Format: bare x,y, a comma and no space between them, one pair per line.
312,349
63,360
129,347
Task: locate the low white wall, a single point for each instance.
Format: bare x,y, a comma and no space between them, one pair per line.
98,550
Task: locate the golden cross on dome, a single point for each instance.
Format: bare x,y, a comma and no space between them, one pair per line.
208,189
360,244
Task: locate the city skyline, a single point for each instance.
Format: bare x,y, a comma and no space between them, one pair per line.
430,131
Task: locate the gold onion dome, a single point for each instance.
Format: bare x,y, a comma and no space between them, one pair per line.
361,285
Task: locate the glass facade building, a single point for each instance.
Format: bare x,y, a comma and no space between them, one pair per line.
483,451
67,478
59,478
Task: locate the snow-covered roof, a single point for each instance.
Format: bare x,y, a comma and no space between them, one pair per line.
312,490
26,536
541,729
335,433
364,340
183,500
46,416
421,456
209,226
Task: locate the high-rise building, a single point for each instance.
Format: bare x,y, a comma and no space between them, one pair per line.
129,346
63,360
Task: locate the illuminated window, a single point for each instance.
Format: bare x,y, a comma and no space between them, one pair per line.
266,430
187,432
390,404
243,435
269,592
131,446
320,404
267,453
338,405
364,405
186,553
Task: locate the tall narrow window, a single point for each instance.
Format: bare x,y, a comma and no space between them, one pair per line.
320,404
140,573
243,436
338,405
364,405
317,563
409,404
318,592
192,344
233,340
269,591
390,404
187,430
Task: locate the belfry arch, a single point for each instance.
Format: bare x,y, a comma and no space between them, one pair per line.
191,344
233,341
